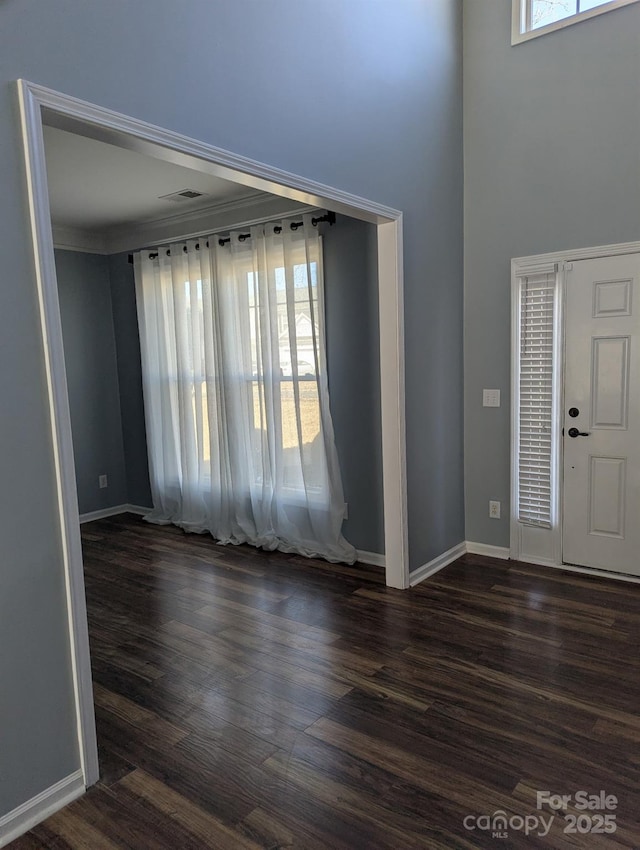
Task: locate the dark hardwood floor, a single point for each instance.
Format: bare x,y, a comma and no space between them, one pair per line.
259,700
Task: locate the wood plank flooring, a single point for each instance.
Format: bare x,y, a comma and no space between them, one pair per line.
258,700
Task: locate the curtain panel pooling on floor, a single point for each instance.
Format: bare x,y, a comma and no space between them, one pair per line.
239,430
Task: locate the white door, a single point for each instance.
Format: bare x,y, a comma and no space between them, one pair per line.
602,415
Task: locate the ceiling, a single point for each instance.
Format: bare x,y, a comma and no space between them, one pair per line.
94,185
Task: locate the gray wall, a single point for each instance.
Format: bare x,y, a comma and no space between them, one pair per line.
374,108
552,162
353,358
125,321
84,292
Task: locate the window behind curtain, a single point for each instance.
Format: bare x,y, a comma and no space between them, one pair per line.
236,395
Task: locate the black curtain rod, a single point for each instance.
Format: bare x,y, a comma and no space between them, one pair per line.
329,217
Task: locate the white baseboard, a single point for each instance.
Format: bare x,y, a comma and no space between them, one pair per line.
501,552
114,511
593,572
375,559
538,560
140,510
38,808
437,564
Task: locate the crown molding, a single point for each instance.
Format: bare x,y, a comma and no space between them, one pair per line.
77,239
188,216
242,212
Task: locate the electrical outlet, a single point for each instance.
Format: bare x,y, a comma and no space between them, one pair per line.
102,482
494,510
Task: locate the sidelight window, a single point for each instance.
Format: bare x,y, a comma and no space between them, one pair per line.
535,398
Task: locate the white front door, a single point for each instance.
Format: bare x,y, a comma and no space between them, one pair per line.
602,415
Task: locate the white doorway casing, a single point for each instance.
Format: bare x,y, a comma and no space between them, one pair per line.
106,125
531,543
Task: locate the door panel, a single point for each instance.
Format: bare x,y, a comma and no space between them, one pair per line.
607,496
610,382
602,443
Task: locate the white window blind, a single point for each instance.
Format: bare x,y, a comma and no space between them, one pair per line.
535,399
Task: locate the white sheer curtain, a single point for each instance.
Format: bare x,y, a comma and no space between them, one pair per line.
239,431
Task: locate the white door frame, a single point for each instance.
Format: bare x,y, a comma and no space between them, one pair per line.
138,135
528,543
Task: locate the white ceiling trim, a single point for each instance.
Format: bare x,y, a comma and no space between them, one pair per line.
244,212
189,216
74,239
201,222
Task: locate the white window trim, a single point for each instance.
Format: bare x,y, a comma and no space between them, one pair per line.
520,10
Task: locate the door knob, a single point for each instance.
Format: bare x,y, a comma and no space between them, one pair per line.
573,432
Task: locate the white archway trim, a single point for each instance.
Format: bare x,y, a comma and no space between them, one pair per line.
88,119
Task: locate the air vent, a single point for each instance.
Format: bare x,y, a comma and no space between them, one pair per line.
182,195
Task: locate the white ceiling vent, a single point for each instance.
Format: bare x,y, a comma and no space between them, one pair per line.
182,196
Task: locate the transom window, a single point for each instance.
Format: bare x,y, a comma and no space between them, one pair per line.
537,17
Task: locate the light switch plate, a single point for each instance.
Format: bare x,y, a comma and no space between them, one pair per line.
491,398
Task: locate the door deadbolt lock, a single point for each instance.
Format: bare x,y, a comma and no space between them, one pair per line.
573,432
573,412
